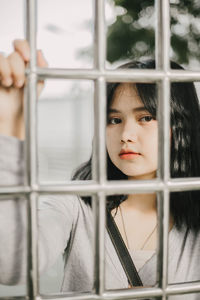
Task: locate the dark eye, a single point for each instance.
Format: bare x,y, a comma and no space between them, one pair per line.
146,119
114,121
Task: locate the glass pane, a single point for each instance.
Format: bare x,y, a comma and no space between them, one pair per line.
130,31
65,128
185,124
65,32
184,237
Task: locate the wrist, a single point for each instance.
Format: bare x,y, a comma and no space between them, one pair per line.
13,129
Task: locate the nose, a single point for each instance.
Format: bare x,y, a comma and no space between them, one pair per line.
129,132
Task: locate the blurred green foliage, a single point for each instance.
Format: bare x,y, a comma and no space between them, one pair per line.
132,35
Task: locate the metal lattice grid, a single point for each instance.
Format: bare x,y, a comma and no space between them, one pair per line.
99,187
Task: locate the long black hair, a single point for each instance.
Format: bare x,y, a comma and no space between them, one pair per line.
185,144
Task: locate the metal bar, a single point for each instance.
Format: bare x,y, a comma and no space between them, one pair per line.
99,171
31,98
164,173
32,266
162,62
99,36
71,296
183,184
85,187
188,287
125,186
99,158
30,141
99,153
160,170
165,241
75,296
158,31
95,150
172,289
160,173
109,188
31,153
166,176
13,298
165,34
10,190
99,213
102,129
118,75
184,76
166,128
163,88
112,294
31,28
160,213
132,293
165,39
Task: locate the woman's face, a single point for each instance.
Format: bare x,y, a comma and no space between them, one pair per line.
132,134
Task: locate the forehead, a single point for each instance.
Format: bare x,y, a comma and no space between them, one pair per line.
126,94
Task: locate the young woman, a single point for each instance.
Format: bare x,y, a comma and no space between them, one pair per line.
66,222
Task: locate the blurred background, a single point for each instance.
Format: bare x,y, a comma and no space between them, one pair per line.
65,34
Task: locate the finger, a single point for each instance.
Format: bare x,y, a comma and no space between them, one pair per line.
40,87
5,72
41,61
17,66
22,47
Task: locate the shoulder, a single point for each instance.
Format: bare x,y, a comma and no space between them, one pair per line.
71,205
187,240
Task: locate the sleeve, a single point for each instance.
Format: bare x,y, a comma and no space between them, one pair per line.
56,215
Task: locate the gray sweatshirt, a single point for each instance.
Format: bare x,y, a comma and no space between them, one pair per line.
65,226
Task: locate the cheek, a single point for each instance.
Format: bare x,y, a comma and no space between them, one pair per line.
111,142
153,147
151,143
108,141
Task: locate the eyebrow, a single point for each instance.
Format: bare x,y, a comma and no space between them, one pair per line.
137,109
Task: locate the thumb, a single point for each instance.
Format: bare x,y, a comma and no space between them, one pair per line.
41,61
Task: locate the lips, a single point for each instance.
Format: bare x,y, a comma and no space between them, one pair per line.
127,154
128,151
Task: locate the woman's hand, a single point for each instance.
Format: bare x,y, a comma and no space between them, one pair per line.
12,81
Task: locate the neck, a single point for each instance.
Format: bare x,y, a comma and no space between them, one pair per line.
143,203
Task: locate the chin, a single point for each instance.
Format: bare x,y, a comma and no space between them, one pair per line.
132,173
146,176
140,175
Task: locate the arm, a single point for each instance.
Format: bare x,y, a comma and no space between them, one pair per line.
55,215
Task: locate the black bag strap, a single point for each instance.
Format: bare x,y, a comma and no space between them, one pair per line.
123,253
